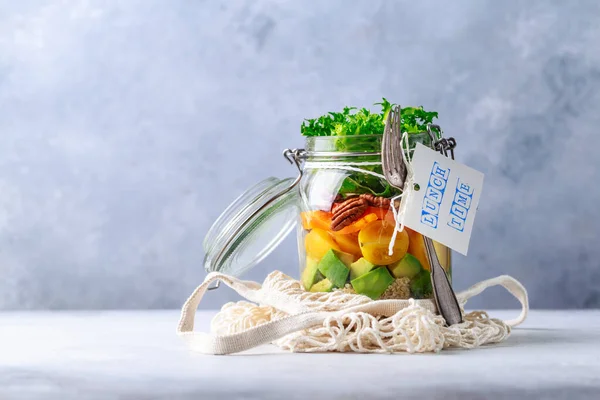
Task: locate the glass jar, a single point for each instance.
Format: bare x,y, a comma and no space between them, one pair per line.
341,202
346,226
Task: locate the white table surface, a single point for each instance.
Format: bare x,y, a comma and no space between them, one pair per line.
137,355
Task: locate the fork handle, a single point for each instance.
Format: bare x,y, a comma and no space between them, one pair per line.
445,299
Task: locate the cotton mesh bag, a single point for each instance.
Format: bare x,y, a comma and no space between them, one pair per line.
281,312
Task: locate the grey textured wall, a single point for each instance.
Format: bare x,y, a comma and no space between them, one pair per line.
127,126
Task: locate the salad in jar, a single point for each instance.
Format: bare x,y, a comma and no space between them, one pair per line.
347,234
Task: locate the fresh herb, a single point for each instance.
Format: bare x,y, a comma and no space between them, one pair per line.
349,123
363,183
352,121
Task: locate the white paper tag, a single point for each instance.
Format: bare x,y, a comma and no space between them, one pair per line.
444,207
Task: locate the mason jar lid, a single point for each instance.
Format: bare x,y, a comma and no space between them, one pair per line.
253,225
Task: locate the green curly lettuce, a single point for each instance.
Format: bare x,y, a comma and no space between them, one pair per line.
352,122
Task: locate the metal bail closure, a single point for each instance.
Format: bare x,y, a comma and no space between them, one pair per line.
254,224
443,145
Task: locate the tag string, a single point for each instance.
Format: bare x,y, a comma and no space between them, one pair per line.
345,166
407,191
404,197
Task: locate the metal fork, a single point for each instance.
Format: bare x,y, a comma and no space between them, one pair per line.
394,170
392,158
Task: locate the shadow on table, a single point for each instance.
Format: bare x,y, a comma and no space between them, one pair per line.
545,337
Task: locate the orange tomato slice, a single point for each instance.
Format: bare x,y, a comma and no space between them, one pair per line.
374,240
382,213
316,219
318,242
358,224
416,247
348,243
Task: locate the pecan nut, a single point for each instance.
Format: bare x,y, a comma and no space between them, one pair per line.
346,212
376,201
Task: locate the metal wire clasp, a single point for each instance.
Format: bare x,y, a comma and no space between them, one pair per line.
294,156
443,145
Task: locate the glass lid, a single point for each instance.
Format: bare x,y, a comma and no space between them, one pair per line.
253,225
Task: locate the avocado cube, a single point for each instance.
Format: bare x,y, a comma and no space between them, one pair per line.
409,267
420,286
334,269
311,274
360,267
346,258
373,283
322,286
